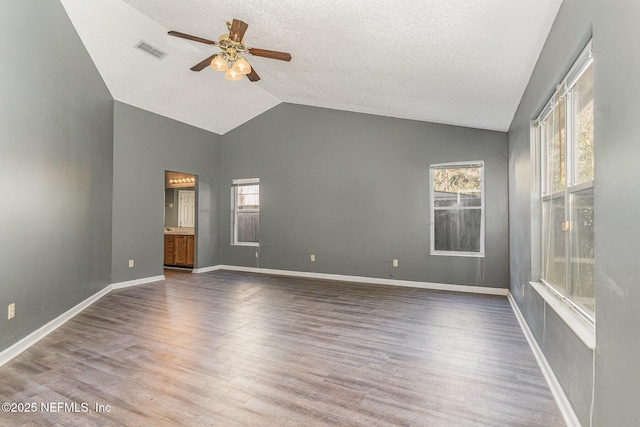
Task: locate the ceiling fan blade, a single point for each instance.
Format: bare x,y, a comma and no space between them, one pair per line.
204,64
280,56
238,28
253,76
190,37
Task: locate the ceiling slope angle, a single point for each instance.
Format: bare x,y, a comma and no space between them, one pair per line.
460,62
111,29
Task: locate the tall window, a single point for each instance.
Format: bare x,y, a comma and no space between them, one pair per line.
565,134
457,209
245,215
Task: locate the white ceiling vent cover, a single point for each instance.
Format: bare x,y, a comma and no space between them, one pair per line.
146,47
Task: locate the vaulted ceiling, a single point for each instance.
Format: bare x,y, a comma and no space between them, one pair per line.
461,62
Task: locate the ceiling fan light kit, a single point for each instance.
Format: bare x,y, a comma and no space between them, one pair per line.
232,45
218,63
233,74
242,66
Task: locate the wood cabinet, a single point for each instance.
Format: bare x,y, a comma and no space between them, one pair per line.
179,250
169,248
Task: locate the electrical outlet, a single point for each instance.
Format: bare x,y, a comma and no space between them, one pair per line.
313,258
395,262
11,311
130,263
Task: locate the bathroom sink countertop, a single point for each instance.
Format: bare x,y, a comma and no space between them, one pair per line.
179,230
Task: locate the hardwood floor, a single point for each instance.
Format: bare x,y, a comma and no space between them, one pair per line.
235,349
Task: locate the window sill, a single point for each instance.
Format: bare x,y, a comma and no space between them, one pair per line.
583,330
460,254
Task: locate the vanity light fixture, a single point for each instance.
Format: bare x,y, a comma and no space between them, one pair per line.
189,180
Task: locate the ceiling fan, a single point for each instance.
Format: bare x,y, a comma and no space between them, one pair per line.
230,60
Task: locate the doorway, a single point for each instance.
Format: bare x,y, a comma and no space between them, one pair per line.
180,220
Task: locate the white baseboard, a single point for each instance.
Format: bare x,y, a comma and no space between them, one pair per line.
207,269
45,330
369,280
561,399
137,282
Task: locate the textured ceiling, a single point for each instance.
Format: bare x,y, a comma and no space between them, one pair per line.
461,62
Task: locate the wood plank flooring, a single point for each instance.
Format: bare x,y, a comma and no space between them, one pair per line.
235,349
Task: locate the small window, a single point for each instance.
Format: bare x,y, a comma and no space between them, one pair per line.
457,209
245,215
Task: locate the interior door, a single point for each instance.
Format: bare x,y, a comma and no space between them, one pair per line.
186,208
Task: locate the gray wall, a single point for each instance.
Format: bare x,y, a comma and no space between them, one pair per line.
56,136
617,234
144,146
570,359
615,29
353,189
170,212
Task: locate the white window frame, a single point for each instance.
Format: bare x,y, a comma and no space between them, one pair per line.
235,184
466,164
540,193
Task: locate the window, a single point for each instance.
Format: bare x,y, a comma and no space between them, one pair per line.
564,132
245,215
457,209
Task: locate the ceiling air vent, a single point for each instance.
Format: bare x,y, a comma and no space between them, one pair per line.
146,47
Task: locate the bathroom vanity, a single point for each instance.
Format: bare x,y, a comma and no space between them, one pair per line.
179,246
